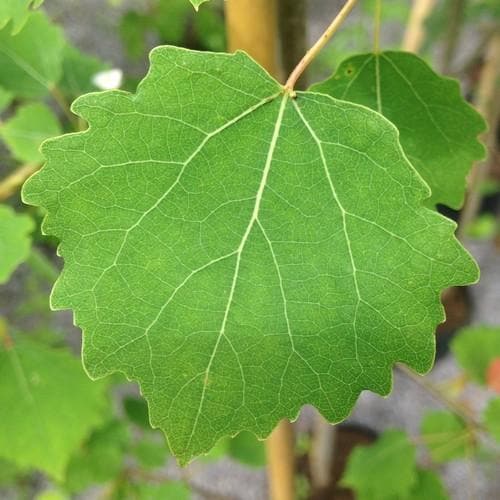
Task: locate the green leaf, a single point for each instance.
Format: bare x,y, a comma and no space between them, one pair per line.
246,448
52,495
27,129
384,470
475,348
16,11
9,473
151,452
438,128
231,247
428,487
5,99
491,418
100,459
446,436
171,20
31,61
173,490
133,28
55,407
483,227
210,28
78,71
197,3
15,240
137,411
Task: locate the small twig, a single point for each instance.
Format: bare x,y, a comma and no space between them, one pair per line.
455,16
11,183
281,462
415,31
439,396
312,53
64,105
322,453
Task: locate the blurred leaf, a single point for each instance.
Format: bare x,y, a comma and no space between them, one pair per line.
78,70
246,448
56,406
489,187
16,11
31,61
210,28
423,106
483,227
133,28
428,487
15,240
478,10
137,411
151,453
383,470
5,98
100,459
52,495
475,348
393,10
491,418
446,436
172,490
8,473
171,19
27,129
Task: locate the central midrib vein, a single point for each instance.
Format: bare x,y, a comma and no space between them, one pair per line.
239,252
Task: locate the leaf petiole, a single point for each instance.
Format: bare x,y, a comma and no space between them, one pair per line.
312,53
376,29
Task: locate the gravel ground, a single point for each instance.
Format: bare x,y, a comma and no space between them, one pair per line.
91,25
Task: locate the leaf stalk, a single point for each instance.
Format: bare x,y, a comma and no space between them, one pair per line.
313,52
378,23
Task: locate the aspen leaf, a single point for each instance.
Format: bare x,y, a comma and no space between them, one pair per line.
385,469
15,240
438,128
27,129
446,436
240,252
16,12
31,61
55,406
476,348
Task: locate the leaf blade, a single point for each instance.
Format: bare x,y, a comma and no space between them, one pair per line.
56,406
15,240
263,251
